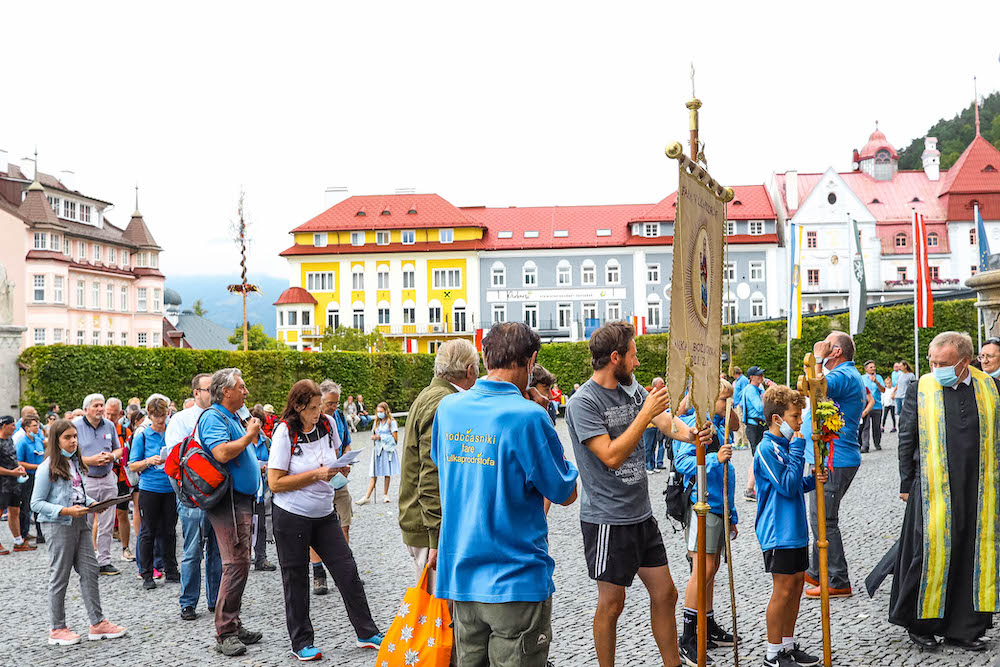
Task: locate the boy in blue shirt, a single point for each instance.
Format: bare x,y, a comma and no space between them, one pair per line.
29,444
781,520
685,463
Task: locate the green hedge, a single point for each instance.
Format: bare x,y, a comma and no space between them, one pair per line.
65,374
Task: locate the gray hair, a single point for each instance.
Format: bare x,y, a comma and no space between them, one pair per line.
329,387
91,398
454,358
132,408
961,341
152,397
657,380
113,401
222,380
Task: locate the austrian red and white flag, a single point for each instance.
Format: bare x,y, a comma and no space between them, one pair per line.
922,292
409,345
639,324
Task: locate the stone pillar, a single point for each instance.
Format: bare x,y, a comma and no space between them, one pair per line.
987,287
10,376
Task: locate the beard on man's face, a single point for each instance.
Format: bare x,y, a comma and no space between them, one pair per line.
622,373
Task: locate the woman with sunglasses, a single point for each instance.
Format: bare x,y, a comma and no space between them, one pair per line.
303,452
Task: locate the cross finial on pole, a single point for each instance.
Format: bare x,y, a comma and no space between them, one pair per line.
692,79
975,93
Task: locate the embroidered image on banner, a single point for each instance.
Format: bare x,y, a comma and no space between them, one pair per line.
696,303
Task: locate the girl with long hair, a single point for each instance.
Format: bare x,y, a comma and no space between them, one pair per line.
385,458
303,451
60,499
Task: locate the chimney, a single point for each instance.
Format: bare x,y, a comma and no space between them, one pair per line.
792,189
931,159
4,163
334,195
406,191
28,168
68,179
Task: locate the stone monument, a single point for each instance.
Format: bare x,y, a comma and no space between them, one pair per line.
987,287
10,346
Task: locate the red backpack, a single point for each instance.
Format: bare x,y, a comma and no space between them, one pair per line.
198,479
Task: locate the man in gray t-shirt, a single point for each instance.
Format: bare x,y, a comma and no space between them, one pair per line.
607,417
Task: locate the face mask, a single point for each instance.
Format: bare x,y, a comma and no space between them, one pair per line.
68,455
630,389
946,376
995,373
380,414
243,413
786,431
22,479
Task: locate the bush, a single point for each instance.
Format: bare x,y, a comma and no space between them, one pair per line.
65,374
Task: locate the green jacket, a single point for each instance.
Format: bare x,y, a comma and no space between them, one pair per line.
419,495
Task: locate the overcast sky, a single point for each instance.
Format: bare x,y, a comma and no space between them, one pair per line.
502,104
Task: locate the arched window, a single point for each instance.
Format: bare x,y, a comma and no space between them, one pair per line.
434,314
358,278
409,277
654,311
498,274
564,274
758,306
902,240
932,240
588,272
458,316
383,313
382,272
358,315
883,166
409,312
612,272
529,274
333,315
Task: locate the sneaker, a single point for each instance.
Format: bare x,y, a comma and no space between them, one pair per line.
109,570
24,546
717,635
248,637
40,540
387,499
689,654
3,551
188,614
811,581
319,586
801,658
780,660
63,637
814,593
105,630
211,610
649,472
363,501
750,496
230,647
157,574
892,431
265,566
372,642
148,584
308,653
127,555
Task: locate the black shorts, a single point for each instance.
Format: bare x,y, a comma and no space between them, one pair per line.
615,553
755,433
786,561
123,488
11,498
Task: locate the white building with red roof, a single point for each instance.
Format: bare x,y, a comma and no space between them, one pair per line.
79,279
882,199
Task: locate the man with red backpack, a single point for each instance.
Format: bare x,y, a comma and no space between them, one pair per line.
221,432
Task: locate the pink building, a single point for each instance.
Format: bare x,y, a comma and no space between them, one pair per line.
79,279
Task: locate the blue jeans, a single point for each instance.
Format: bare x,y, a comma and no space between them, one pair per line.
199,541
661,449
649,441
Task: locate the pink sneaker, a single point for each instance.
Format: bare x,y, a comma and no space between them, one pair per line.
105,630
63,637
157,574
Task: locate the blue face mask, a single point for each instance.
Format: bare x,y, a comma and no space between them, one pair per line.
946,376
68,455
786,431
995,374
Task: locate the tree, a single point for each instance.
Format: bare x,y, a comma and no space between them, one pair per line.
198,309
255,339
955,134
347,339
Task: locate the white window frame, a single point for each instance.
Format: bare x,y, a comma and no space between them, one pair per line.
57,335
498,275
123,295
409,277
95,295
756,228
615,266
85,213
81,247
652,273
654,313
320,239
757,271
383,314
408,236
529,275
109,292
564,274
409,312
332,315
141,299
613,311
588,272
564,315
588,308
320,281
446,235
357,238
357,280
499,313
459,318
531,315
450,278
382,238
651,230
112,256
157,299
40,241
358,318
124,337
758,307
57,289
81,294
382,277
730,227
141,339
729,271
38,288
80,338
97,254
38,336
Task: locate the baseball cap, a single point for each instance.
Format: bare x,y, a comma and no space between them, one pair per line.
6,419
755,370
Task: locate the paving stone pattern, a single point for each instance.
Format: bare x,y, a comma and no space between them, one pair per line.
862,637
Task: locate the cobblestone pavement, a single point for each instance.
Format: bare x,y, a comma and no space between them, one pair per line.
862,637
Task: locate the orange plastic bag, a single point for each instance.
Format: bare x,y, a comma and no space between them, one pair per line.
421,632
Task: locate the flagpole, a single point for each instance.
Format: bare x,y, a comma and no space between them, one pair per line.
791,302
916,281
979,246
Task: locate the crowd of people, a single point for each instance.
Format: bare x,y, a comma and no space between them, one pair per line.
480,464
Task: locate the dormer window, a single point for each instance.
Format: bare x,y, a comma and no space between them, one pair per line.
651,230
446,235
408,236
901,240
319,240
915,200
386,211
737,202
531,234
932,240
412,211
505,235
883,166
361,213
875,201
989,168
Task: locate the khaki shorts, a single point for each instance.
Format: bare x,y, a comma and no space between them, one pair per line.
715,539
342,502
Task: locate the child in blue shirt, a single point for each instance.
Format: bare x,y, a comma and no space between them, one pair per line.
781,525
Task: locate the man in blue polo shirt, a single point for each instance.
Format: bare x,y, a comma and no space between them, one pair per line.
498,460
751,407
29,443
844,387
232,519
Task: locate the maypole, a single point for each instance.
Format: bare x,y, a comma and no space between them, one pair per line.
243,287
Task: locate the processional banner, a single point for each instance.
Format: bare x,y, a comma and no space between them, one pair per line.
696,294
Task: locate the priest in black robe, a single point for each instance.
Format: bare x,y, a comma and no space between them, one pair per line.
948,465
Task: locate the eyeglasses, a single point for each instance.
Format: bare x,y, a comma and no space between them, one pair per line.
985,357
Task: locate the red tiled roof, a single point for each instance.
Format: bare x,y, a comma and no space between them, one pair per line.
579,222
733,239
895,197
431,210
147,272
877,142
344,249
48,254
138,233
36,208
752,202
295,295
977,171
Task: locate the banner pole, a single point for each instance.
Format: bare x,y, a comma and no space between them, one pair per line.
727,526
916,283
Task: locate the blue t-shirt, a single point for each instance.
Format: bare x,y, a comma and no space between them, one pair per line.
894,375
30,449
219,426
498,457
738,387
150,443
845,388
870,385
686,463
752,404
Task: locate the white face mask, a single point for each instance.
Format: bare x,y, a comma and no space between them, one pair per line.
786,431
630,389
380,414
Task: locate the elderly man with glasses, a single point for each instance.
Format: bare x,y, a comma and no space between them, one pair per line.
989,357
